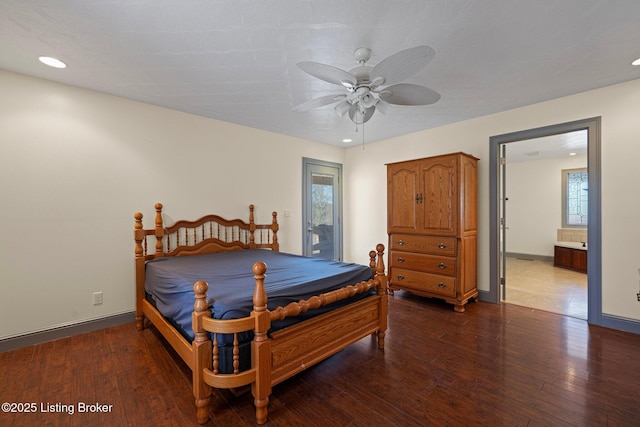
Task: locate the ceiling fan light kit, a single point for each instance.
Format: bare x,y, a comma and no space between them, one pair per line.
364,84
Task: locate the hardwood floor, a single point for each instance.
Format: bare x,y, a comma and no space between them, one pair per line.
538,284
494,365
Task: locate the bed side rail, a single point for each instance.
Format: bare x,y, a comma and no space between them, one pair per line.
295,308
378,283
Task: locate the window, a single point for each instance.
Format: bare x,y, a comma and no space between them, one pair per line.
575,196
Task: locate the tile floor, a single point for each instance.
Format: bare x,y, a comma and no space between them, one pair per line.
538,284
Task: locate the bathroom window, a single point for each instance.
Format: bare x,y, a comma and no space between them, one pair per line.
575,196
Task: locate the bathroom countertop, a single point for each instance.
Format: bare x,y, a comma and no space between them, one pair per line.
572,245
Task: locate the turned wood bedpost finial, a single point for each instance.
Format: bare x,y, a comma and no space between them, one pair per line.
259,293
380,263
376,260
159,228
252,228
200,308
200,288
275,227
137,235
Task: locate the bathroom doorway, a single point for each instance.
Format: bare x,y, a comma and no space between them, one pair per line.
534,185
511,256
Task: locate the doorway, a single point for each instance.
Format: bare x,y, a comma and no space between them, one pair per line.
540,217
499,209
322,209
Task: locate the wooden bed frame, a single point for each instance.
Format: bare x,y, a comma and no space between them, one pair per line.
276,356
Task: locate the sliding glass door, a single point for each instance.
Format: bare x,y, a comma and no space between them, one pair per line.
322,209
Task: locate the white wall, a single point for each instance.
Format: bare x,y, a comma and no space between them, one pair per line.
74,167
619,107
534,203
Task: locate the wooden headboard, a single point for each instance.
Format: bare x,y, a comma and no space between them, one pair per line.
209,234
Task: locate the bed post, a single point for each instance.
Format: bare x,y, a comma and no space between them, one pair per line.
261,345
138,236
382,291
159,229
252,229
274,229
201,352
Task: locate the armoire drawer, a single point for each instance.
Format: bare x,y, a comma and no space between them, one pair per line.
426,282
425,263
426,244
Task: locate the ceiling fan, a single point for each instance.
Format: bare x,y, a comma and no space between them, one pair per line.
373,88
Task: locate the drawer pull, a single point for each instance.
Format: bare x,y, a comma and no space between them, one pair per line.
442,265
400,242
442,246
400,259
442,285
400,277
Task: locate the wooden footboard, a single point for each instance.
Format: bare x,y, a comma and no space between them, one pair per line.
291,350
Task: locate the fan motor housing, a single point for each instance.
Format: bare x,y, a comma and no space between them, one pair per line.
361,74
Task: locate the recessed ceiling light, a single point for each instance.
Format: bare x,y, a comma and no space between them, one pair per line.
52,62
572,154
347,140
636,62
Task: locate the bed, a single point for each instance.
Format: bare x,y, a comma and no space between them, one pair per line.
226,326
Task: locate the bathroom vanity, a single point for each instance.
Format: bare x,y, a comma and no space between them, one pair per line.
570,255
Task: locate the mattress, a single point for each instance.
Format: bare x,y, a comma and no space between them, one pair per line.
289,278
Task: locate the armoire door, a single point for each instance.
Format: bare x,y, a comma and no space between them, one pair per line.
402,198
439,195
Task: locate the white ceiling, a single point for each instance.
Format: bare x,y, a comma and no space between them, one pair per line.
563,145
235,60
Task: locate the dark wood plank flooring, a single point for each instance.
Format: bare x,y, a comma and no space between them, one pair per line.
494,365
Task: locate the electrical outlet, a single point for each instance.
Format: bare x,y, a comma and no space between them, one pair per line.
638,295
97,298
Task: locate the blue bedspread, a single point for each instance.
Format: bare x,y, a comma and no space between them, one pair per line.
290,278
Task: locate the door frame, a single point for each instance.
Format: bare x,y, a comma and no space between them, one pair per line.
594,230
307,164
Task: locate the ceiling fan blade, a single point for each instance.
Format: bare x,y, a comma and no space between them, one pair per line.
409,94
319,102
328,73
402,65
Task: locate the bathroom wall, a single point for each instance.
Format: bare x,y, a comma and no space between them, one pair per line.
534,203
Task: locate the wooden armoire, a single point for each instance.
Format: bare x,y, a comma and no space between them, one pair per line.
432,211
